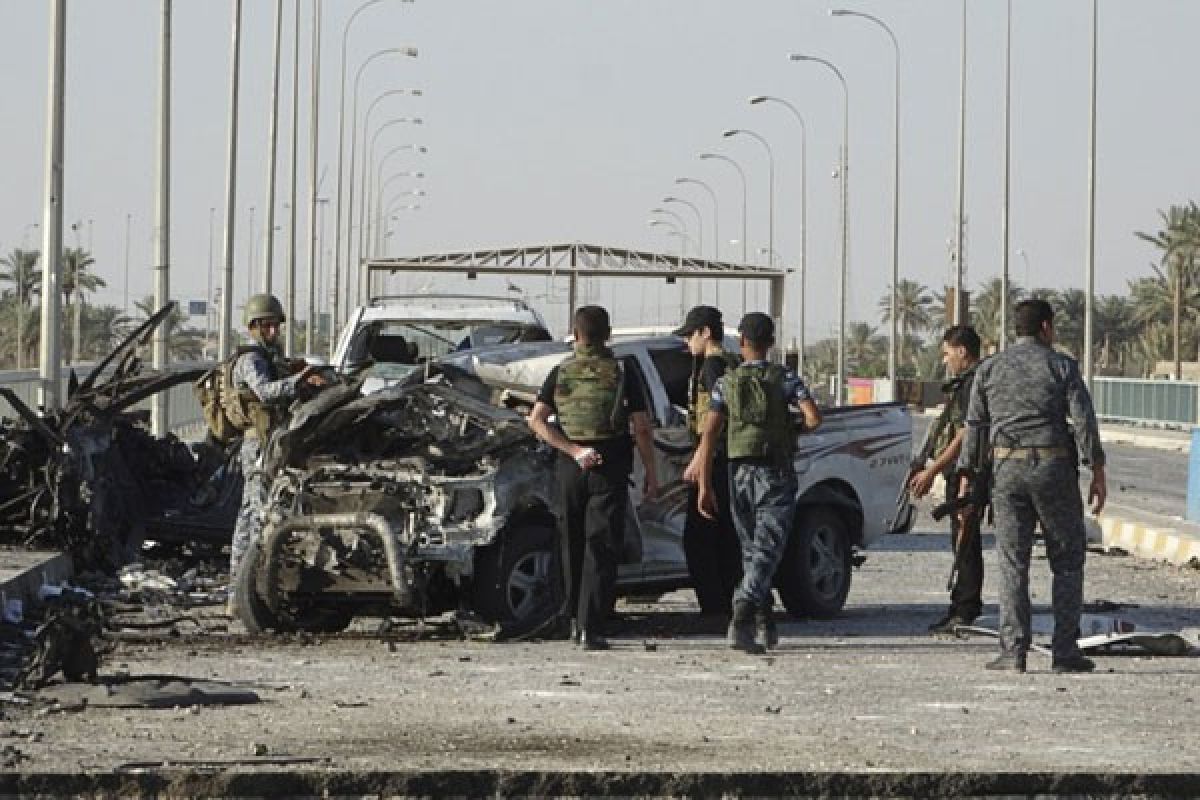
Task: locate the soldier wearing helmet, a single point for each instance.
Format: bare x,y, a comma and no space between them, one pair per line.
265,383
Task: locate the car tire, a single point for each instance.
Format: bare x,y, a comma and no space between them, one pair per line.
518,579
257,617
814,576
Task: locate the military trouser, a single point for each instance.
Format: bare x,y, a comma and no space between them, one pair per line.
966,596
714,556
592,531
764,504
252,512
1024,491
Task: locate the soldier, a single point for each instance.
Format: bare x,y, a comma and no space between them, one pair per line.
264,381
755,399
595,398
960,354
1031,406
711,548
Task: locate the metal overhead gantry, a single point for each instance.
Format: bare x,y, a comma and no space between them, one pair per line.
574,261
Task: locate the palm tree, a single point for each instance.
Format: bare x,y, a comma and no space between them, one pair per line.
1179,242
77,279
184,343
23,274
103,329
914,307
865,349
987,310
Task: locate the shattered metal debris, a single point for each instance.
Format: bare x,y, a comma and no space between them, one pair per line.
90,478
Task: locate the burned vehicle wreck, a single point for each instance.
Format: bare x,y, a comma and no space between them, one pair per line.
92,480
422,498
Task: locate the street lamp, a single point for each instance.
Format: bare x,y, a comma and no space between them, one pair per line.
699,220
410,52
742,174
770,186
843,172
675,217
800,321
716,212
371,176
893,342
392,216
377,219
341,149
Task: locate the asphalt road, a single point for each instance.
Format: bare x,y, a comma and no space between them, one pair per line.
865,703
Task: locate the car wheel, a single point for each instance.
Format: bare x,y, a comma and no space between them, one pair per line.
257,617
518,579
814,576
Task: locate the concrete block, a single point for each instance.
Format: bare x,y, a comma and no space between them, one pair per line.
24,572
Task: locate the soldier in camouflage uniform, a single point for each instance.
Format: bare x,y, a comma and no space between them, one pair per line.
265,383
714,557
1031,406
960,354
595,397
755,400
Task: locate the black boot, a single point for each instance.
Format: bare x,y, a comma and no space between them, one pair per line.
764,621
741,629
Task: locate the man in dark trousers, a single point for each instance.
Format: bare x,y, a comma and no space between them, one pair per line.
755,400
960,355
714,557
1030,405
596,398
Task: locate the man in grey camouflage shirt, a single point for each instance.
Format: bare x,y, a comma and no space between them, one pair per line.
264,374
1030,405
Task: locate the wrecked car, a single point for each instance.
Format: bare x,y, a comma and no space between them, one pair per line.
413,500
92,480
432,495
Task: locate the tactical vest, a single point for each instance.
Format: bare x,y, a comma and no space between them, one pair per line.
232,411
700,398
760,425
589,396
954,418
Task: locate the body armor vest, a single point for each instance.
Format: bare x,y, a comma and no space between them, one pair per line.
760,425
700,398
589,395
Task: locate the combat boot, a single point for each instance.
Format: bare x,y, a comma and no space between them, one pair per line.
741,629
764,621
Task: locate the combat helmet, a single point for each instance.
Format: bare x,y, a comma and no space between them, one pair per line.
262,306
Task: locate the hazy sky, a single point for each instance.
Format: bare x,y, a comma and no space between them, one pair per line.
568,120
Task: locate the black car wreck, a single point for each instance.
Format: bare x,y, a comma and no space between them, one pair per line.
92,480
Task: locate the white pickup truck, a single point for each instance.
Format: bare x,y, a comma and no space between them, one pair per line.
850,473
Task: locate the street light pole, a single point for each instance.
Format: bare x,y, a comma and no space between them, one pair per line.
289,341
742,174
699,221
225,337
960,308
675,218
800,321
314,129
50,358
844,171
716,232
410,52
159,408
770,195
208,297
341,150
1089,301
893,342
272,153
370,177
1002,338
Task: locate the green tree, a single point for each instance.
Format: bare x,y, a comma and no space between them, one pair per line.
26,279
103,329
77,278
866,351
986,310
1178,241
1116,328
914,314
184,343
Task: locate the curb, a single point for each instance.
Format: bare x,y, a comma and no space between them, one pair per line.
1159,542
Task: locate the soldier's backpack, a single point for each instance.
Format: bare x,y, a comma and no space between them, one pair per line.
225,410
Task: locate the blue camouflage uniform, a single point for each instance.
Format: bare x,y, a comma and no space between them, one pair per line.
763,500
253,370
1021,402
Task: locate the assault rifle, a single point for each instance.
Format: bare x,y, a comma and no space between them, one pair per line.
921,456
978,496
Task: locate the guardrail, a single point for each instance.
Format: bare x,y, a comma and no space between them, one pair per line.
1166,403
184,415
